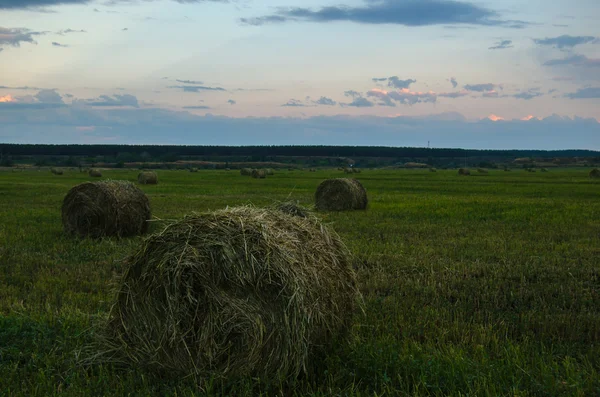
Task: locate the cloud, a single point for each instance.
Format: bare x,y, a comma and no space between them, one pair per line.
197,107
562,78
15,36
161,126
55,44
67,31
294,103
566,41
585,93
491,94
189,82
44,99
25,4
359,102
48,96
231,102
480,87
404,12
404,96
352,93
574,60
527,95
196,88
1,49
500,45
453,82
457,94
378,79
325,101
395,82
114,101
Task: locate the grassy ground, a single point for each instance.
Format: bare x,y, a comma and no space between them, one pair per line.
487,285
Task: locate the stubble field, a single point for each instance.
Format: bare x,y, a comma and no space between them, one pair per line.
487,285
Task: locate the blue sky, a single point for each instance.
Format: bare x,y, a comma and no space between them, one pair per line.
480,74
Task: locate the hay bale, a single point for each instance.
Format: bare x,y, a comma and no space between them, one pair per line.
348,170
259,174
269,171
242,291
147,178
464,171
482,171
105,208
246,171
56,171
544,170
193,169
595,173
356,170
340,194
432,170
95,173
312,170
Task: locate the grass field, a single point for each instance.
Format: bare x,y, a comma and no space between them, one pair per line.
487,285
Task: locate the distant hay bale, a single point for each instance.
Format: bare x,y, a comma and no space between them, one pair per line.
227,169
105,208
356,170
482,171
95,173
432,170
246,171
193,169
595,173
56,171
464,171
259,174
242,291
544,170
312,170
348,170
269,171
147,178
340,194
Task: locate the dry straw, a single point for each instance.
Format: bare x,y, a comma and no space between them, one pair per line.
56,171
147,178
105,208
340,194
95,173
193,169
259,174
595,173
242,291
246,171
464,171
269,171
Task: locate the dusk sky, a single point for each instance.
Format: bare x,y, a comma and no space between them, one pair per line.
497,74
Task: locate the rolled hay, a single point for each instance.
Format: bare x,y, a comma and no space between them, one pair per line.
105,208
340,194
595,173
56,171
432,170
193,169
242,291
147,178
259,174
269,171
312,170
356,170
348,170
482,171
464,171
95,173
544,170
246,171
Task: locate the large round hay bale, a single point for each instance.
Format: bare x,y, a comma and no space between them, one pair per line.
269,171
340,194
246,171
464,171
105,208
242,291
432,170
193,169
95,173
595,173
56,171
356,170
348,170
147,178
259,174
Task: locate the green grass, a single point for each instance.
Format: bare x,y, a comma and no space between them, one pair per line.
487,285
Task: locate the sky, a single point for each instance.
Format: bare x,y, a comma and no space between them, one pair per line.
493,74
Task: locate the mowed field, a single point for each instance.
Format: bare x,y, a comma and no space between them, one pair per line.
487,285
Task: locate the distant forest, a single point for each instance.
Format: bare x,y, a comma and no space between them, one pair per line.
369,156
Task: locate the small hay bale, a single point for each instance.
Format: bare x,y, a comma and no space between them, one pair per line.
105,208
482,171
242,291
95,173
147,178
259,174
464,171
356,170
269,171
544,170
432,170
348,170
193,169
246,171
340,194
56,171
227,169
595,173
312,170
